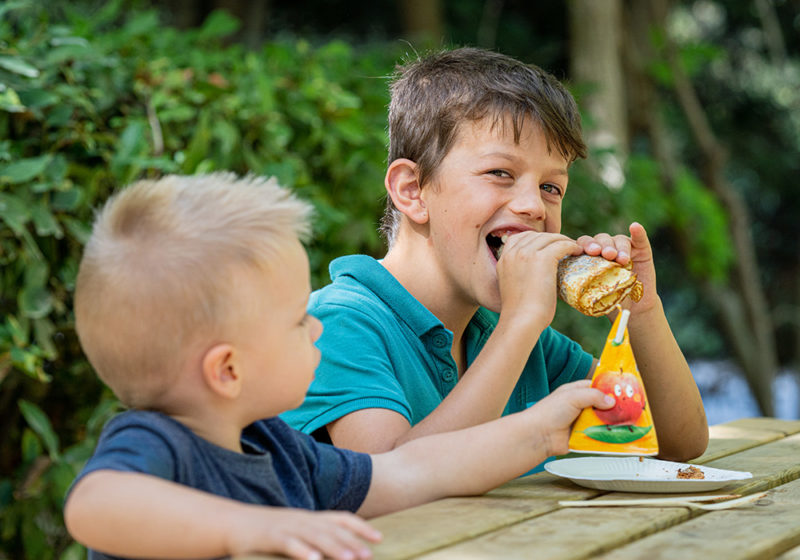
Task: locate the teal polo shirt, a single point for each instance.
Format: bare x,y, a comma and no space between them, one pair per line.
381,348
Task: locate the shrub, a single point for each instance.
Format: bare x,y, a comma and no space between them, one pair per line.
88,105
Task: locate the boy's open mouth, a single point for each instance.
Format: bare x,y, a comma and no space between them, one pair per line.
496,241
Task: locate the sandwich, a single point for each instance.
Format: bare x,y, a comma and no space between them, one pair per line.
595,285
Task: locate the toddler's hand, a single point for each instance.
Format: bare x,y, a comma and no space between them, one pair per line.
301,534
558,411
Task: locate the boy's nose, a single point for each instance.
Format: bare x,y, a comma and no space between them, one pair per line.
527,201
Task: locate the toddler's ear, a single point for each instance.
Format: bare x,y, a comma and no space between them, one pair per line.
403,187
221,371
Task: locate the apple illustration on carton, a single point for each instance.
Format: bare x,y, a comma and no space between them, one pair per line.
628,393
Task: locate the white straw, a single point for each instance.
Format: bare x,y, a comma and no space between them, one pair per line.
623,322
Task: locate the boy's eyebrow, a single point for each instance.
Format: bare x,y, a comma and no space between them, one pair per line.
511,157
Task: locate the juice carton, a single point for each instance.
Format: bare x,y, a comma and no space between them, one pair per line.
626,428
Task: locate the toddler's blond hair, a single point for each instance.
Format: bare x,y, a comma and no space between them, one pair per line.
153,281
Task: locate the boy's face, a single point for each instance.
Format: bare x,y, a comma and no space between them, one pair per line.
276,336
488,185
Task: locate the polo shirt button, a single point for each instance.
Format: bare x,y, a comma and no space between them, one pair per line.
449,374
440,341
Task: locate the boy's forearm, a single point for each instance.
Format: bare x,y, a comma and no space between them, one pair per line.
137,515
674,398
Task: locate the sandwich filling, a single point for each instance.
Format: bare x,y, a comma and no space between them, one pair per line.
595,285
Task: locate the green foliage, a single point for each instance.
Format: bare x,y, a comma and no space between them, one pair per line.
91,103
30,510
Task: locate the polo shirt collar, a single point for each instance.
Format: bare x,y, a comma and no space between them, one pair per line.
374,276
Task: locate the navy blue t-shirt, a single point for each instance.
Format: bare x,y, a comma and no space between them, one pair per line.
279,467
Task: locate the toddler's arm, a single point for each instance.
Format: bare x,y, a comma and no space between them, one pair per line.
675,401
477,459
138,515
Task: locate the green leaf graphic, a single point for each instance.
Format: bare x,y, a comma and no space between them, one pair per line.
616,434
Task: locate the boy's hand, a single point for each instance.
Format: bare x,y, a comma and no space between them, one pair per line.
527,272
557,411
301,534
624,249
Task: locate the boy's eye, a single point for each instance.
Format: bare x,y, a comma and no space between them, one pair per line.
551,188
499,173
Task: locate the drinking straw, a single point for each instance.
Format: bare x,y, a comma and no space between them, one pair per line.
623,322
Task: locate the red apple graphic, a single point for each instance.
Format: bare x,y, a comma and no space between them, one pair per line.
627,391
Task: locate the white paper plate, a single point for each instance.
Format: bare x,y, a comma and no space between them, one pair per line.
630,474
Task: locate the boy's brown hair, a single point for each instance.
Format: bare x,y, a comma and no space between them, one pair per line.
431,97
154,280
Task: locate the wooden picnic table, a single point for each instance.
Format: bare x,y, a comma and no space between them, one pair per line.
523,519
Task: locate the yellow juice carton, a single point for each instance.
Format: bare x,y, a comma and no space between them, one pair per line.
626,428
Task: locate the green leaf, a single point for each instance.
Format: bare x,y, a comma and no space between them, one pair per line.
45,223
40,423
10,5
617,434
18,66
67,200
130,142
219,24
31,446
34,299
34,302
59,116
10,101
37,98
24,169
75,551
102,414
44,332
78,229
14,212
17,330
75,41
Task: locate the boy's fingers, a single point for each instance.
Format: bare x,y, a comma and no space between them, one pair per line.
639,235
530,243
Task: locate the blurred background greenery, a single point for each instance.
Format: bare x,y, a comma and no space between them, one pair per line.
691,108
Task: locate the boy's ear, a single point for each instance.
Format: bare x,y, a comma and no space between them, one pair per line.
403,187
221,371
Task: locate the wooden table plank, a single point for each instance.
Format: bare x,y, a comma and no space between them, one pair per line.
772,464
755,532
566,534
793,554
727,439
415,531
786,427
576,534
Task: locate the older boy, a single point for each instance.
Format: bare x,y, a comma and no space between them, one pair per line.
191,305
444,332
